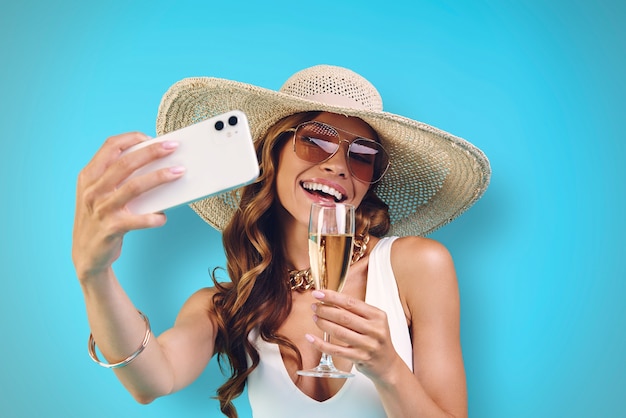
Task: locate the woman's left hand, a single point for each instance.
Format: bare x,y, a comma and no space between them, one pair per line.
361,327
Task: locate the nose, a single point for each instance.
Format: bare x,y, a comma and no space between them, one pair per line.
338,163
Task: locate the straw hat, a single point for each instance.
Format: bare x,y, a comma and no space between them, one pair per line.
433,178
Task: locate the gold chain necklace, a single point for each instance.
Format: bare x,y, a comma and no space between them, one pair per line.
302,280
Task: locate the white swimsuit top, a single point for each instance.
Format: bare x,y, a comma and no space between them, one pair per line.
273,394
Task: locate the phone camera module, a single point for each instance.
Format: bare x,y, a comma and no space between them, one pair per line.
219,125
232,121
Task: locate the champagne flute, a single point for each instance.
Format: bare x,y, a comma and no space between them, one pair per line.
331,234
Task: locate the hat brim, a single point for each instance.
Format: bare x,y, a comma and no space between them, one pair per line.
433,178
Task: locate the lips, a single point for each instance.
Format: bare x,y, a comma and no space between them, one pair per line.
324,190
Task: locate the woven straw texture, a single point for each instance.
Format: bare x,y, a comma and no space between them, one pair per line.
433,178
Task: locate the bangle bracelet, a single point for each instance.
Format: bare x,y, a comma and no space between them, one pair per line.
144,343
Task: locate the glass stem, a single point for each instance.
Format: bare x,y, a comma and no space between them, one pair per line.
327,360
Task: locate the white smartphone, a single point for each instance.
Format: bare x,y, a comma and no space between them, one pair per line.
217,153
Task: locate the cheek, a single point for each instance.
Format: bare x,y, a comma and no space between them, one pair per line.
287,186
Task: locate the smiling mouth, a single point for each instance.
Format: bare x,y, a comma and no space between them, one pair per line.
323,190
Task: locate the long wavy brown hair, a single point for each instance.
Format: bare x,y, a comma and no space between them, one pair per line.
258,295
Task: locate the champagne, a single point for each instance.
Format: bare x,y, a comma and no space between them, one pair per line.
331,234
330,256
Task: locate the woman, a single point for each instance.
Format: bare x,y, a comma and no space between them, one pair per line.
396,322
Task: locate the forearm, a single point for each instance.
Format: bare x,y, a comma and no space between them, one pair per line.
118,331
404,396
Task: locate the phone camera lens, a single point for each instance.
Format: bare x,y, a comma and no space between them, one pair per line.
232,121
219,125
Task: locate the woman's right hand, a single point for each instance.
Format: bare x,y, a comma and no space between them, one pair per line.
102,218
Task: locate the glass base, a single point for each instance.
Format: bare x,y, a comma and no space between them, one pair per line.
325,371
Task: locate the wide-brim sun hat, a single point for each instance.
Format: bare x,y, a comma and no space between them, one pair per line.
433,178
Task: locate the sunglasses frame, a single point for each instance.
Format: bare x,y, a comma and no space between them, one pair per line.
337,130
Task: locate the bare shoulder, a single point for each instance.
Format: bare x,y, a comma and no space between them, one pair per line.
195,328
419,254
425,273
198,305
202,297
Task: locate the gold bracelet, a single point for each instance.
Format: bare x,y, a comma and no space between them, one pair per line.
144,343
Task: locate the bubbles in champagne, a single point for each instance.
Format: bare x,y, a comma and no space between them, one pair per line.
330,256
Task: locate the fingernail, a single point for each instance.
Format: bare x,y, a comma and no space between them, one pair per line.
314,307
309,338
315,318
317,294
169,144
177,169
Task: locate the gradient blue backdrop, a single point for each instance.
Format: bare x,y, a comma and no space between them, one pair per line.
538,85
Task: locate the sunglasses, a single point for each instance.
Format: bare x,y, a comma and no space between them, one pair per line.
316,142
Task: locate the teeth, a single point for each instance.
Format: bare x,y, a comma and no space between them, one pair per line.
324,189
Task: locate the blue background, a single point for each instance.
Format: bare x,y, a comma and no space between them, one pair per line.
538,85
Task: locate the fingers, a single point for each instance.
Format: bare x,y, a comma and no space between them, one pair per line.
104,187
109,152
334,350
346,343
343,301
121,168
347,327
140,184
340,333
346,317
361,329
104,183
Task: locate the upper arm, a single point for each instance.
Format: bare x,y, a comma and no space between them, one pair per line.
428,286
189,344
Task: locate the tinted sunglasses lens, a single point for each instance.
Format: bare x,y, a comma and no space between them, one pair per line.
368,160
315,142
